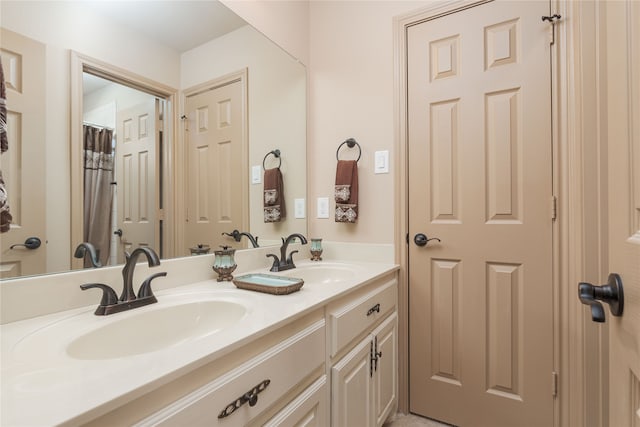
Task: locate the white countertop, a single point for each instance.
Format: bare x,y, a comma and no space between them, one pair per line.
42,385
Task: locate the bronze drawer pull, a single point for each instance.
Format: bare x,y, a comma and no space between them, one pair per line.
251,396
374,309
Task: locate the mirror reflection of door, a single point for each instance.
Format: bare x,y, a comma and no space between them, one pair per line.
23,164
217,147
136,176
129,203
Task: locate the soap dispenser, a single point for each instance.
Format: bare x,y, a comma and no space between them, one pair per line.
316,249
224,264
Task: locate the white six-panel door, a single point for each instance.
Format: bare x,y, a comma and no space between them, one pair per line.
623,141
215,144
23,165
136,167
480,179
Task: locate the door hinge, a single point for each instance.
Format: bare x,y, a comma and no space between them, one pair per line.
554,384
554,207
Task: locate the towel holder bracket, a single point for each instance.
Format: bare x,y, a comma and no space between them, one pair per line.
350,143
276,154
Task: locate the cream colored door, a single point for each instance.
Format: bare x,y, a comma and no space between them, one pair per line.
480,179
215,143
623,89
23,165
136,166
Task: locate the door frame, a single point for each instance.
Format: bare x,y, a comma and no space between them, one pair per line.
81,63
575,259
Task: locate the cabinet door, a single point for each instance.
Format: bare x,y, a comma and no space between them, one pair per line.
385,376
309,409
351,399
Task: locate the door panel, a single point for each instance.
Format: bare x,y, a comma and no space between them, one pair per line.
351,388
480,179
215,144
385,375
623,89
136,176
23,165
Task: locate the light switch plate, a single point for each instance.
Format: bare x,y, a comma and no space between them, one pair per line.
382,162
299,208
323,207
256,174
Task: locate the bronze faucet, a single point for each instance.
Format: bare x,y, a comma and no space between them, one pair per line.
86,247
237,235
110,303
286,262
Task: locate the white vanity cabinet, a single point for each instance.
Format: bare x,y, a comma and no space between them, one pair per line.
334,366
243,393
364,380
278,377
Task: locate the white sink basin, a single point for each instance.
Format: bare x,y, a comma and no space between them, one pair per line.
327,273
173,320
155,329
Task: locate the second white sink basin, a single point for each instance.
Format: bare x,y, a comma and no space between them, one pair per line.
322,273
155,329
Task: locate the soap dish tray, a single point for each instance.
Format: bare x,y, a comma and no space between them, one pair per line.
268,283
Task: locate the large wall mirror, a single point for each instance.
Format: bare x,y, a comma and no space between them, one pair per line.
84,79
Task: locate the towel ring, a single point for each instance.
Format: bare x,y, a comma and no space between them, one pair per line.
276,154
350,143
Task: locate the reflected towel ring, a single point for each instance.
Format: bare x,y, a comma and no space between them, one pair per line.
350,143
276,154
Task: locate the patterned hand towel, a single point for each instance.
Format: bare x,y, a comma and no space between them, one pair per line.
5,215
4,141
274,208
346,191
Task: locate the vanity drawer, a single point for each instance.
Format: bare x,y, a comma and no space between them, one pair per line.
283,366
352,318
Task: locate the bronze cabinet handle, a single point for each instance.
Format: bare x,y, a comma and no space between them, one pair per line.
374,309
251,396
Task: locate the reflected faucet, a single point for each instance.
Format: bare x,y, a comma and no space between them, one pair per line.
86,247
237,235
286,262
110,303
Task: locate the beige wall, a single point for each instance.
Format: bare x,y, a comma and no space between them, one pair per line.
286,22
276,113
351,94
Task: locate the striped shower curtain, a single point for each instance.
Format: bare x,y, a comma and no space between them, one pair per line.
98,196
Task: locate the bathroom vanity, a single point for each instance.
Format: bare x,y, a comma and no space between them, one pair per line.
325,355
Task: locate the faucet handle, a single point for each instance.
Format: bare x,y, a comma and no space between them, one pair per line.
109,296
290,257
276,262
145,289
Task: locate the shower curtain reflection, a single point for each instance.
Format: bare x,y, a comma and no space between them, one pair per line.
98,192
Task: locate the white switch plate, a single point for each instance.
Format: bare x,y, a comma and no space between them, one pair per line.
323,207
382,162
299,208
256,174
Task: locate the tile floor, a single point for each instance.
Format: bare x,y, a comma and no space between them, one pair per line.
410,420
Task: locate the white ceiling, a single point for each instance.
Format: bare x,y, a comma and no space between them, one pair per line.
180,24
